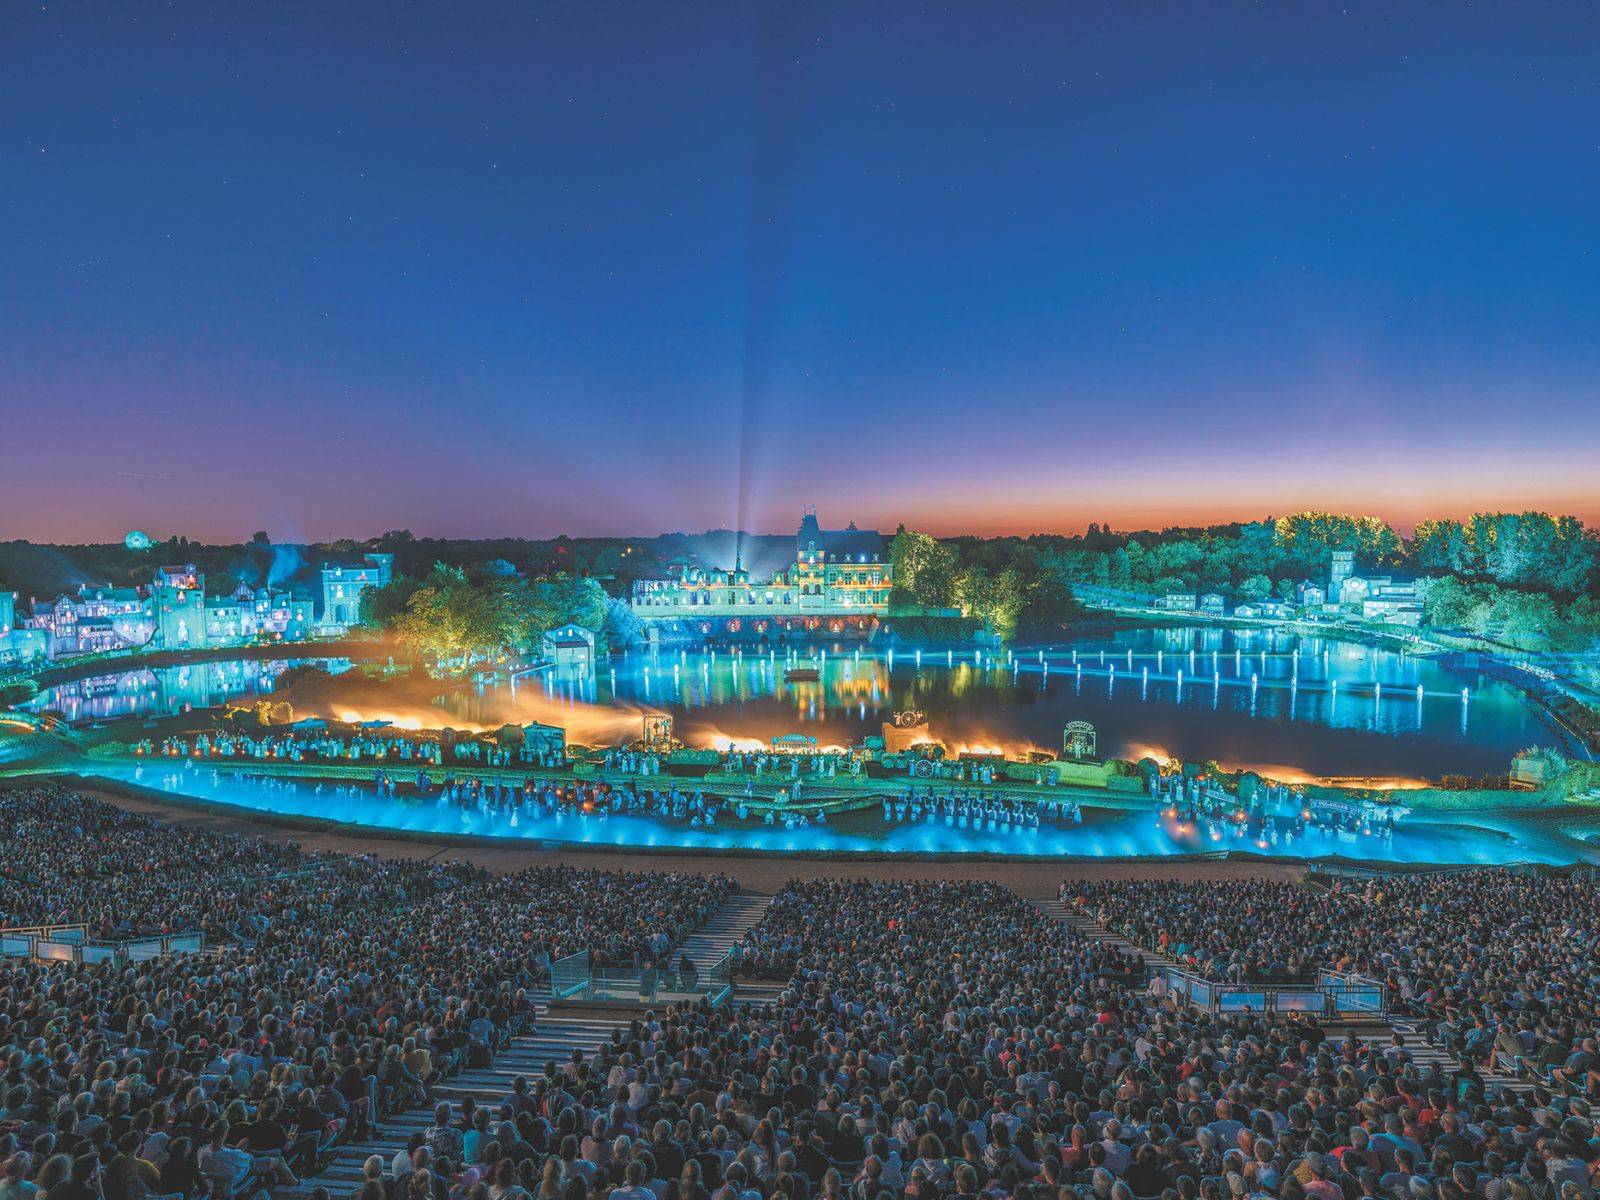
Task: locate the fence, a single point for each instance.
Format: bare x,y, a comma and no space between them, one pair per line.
575,977
1335,994
570,975
1352,994
71,944
720,980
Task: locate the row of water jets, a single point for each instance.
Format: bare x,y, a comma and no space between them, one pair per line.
1107,668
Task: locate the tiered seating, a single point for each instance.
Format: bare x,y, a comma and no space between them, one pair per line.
337,991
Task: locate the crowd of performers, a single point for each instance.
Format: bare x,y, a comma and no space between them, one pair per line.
1276,815
512,803
321,746
488,798
961,809
632,762
824,764
498,799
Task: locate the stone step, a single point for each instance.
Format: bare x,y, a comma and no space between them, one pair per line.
1080,922
553,1039
723,929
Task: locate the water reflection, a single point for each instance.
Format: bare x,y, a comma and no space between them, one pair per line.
1314,705
1321,706
164,691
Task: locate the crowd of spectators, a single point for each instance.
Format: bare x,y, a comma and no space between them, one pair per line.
333,991
927,1040
946,1041
1502,967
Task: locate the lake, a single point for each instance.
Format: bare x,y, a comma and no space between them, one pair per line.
1299,705
1315,706
167,691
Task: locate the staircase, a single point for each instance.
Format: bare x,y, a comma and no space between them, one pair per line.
726,927
554,1039
1427,1053
1080,924
725,930
738,916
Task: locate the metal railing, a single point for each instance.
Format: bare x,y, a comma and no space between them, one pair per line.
71,944
1335,994
570,975
1352,994
65,933
576,977
719,980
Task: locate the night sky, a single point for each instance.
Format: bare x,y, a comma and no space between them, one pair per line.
331,269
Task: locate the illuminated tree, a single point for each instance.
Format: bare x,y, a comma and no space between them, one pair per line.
1317,534
924,571
454,620
1256,587
994,599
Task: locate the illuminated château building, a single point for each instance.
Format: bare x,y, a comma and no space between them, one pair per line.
178,608
173,613
837,574
19,645
342,585
839,569
1374,597
96,619
252,614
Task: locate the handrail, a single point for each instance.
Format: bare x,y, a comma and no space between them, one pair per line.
45,944
45,930
1335,994
720,977
570,975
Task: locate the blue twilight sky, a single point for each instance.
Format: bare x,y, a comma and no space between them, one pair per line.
593,268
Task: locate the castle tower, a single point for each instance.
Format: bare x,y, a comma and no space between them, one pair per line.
810,557
1342,567
178,608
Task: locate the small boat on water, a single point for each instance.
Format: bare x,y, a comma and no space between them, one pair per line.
802,674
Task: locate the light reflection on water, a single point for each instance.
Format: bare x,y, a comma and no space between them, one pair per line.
1104,833
1245,699
1332,709
164,691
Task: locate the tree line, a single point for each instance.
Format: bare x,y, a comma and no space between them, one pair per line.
455,615
1004,584
1532,550
1527,580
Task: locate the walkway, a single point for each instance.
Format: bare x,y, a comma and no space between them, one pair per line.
554,1040
1089,928
725,928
